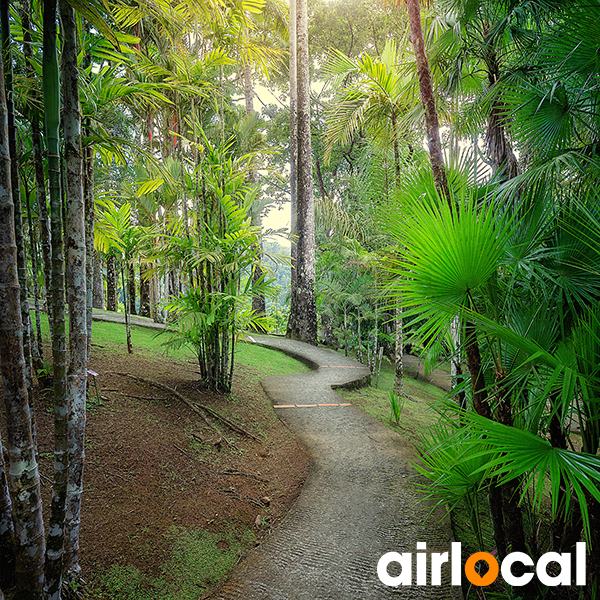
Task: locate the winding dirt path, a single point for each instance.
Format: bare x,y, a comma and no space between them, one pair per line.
357,503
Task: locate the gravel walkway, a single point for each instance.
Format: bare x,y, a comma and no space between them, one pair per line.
356,505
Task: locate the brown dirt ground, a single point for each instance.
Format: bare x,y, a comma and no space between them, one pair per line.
152,463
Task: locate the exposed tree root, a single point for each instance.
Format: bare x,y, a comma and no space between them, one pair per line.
197,408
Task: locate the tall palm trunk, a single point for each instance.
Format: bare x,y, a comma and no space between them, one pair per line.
23,476
77,297
504,161
90,257
14,175
398,387
482,407
304,319
37,347
38,161
57,302
428,99
7,530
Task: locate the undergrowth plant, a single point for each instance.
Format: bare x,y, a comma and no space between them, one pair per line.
397,401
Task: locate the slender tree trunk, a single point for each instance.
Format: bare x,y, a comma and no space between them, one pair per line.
14,174
513,517
131,289
88,195
504,161
455,366
322,189
127,310
76,263
7,529
305,318
428,100
38,162
37,350
23,476
398,388
98,297
57,303
293,68
111,283
482,407
144,293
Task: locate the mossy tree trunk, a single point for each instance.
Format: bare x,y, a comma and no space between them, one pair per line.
76,269
23,476
51,89
90,256
7,530
14,174
303,319
38,160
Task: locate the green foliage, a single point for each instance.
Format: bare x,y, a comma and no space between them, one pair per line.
455,468
396,406
215,256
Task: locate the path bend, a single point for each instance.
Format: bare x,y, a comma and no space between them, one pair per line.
356,505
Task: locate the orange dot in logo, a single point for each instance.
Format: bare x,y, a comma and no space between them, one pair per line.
474,577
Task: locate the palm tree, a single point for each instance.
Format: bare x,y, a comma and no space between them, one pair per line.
12,142
376,100
115,233
427,97
51,90
214,259
36,140
23,476
76,287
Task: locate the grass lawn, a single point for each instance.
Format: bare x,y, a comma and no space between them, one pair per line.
112,336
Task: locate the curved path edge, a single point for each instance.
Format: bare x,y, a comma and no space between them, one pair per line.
357,503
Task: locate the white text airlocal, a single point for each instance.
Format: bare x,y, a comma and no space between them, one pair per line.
437,559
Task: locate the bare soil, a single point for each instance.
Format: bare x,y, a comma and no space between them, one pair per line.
152,463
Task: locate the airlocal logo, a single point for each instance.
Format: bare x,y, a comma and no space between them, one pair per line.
437,559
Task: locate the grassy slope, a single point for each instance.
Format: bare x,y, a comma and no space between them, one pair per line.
417,414
112,335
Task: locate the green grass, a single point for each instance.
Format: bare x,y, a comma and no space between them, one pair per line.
111,336
196,564
266,361
416,416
